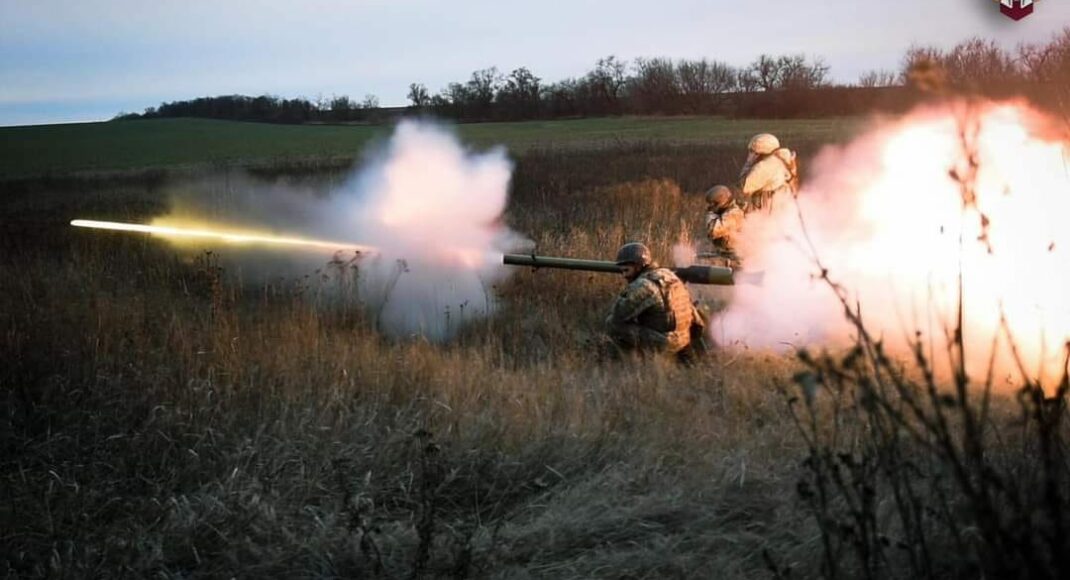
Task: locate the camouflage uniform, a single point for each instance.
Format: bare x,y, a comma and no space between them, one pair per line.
766,173
653,313
722,229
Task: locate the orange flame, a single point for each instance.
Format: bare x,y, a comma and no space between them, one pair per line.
978,190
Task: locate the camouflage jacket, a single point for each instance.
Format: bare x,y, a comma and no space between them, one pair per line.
765,176
723,227
657,300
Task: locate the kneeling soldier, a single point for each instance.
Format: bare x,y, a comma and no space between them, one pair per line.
654,313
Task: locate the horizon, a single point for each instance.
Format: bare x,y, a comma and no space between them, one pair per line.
93,61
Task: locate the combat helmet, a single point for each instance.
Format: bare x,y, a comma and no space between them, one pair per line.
718,196
763,144
634,253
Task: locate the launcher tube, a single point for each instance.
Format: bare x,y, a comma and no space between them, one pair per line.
561,263
712,275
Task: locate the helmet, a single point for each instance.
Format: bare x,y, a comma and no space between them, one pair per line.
634,253
763,144
718,196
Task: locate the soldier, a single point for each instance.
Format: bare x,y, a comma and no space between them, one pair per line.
654,313
724,219
770,169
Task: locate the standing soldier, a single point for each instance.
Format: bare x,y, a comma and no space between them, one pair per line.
654,313
724,219
770,169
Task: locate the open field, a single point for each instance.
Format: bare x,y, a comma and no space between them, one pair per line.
189,143
160,418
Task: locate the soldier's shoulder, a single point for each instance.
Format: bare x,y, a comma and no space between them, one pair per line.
642,281
645,281
657,275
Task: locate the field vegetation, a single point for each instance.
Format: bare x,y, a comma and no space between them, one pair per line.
161,418
192,145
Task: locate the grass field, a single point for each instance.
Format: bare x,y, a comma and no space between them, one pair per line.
160,418
188,143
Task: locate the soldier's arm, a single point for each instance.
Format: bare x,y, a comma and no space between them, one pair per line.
634,300
729,223
747,165
733,220
711,223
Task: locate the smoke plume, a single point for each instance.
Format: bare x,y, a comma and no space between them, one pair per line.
430,208
896,216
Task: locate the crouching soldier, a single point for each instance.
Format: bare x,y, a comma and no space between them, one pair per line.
654,313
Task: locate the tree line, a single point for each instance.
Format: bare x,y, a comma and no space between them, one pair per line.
268,108
769,86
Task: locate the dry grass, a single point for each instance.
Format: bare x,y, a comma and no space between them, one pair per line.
160,420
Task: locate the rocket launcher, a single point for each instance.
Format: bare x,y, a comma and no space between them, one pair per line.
711,275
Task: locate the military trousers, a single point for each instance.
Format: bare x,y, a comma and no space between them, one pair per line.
631,336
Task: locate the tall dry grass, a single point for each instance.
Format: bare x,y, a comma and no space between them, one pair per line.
162,419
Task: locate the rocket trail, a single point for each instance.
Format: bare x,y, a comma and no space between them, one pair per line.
235,237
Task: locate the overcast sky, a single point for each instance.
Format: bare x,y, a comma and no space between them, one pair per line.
80,60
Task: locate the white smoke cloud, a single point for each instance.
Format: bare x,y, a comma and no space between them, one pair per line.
434,211
431,208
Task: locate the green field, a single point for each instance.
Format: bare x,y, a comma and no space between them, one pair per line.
169,143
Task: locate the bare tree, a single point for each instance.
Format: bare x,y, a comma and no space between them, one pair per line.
560,99
795,72
481,89
452,101
606,83
978,62
746,80
654,88
342,108
768,73
704,83
705,77
519,95
418,96
1048,66
878,78
1048,62
764,73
